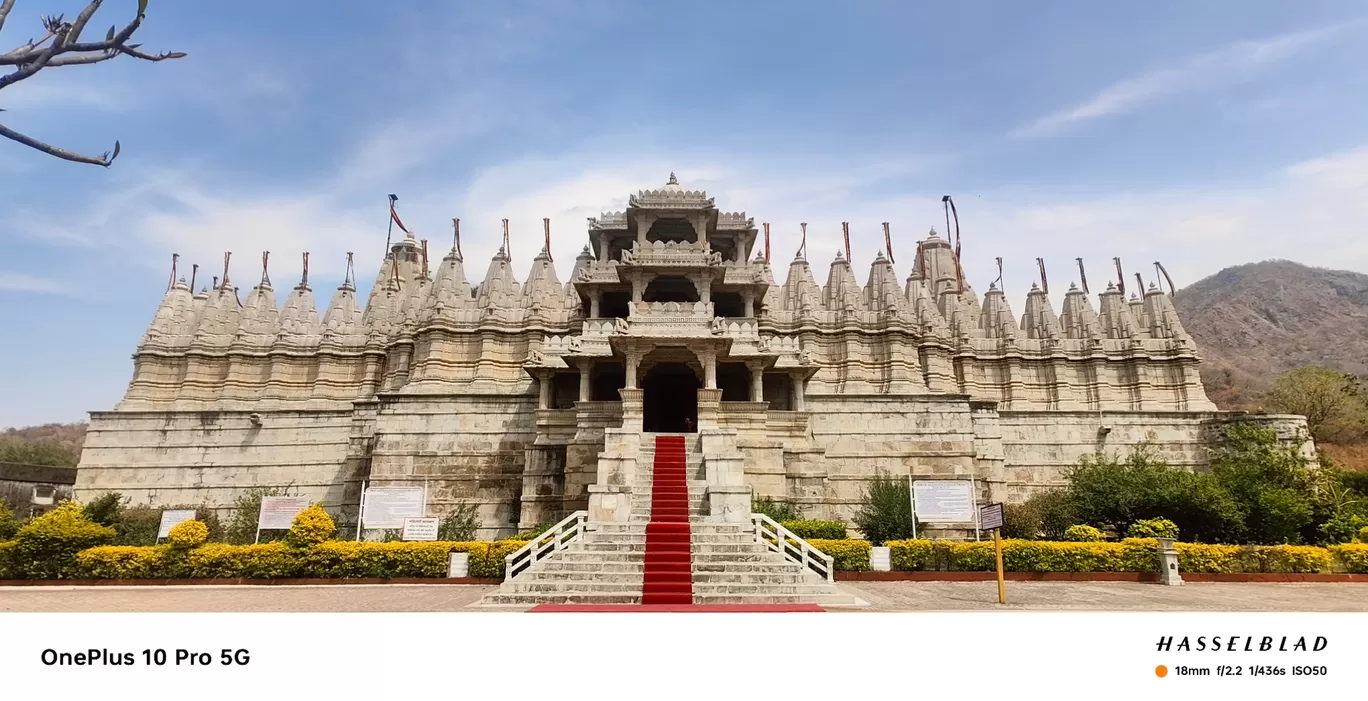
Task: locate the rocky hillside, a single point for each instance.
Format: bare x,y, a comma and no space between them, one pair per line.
1252,322
49,444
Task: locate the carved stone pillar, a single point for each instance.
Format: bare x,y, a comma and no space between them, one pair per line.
700,225
644,222
544,390
710,369
638,288
633,362
604,252
705,288
757,373
586,368
749,299
798,403
594,301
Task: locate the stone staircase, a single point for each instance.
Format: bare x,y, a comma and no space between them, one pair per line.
605,565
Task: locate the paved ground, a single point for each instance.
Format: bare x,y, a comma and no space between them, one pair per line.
883,596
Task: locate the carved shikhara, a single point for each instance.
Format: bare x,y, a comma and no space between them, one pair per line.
484,390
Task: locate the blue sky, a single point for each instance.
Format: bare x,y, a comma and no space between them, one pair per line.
1199,134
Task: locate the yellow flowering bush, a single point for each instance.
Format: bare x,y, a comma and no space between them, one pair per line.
1352,557
1130,555
122,562
847,555
188,534
1363,535
1082,534
311,527
46,547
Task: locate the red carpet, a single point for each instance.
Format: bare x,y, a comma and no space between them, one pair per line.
691,608
668,578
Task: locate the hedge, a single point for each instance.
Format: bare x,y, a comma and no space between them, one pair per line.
1351,558
1129,555
818,530
329,560
847,555
6,547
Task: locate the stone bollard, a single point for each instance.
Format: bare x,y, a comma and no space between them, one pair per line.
880,559
1168,563
458,565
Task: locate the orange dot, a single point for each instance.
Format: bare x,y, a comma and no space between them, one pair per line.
1161,671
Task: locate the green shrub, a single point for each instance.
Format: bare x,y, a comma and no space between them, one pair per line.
122,562
886,511
1270,481
6,565
1362,535
311,527
9,525
820,530
1022,520
1356,482
1343,528
105,509
847,555
532,534
1082,534
461,523
1107,492
778,510
46,547
188,534
1153,528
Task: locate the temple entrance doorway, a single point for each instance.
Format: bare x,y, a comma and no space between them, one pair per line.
669,400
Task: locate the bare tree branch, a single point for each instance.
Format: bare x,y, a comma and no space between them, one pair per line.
66,49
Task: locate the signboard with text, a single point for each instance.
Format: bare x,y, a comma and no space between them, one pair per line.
278,513
170,518
990,517
387,507
943,501
420,528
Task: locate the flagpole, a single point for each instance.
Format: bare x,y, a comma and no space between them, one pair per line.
389,232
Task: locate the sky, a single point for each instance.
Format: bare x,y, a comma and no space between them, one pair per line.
1201,135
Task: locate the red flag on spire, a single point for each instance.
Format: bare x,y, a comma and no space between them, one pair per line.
394,215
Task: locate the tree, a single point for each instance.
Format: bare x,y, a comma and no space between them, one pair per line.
1333,402
61,46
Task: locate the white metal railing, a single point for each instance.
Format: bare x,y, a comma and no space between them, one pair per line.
558,537
795,549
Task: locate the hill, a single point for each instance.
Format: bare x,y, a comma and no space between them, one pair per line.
49,444
1253,322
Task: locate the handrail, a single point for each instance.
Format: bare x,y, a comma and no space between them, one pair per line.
787,543
553,539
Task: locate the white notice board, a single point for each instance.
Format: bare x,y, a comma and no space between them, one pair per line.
171,518
387,507
420,528
278,513
944,501
991,517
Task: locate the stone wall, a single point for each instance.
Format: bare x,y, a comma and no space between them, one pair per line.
29,490
213,457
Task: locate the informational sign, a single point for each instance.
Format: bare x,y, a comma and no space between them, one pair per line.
943,501
279,512
171,518
990,517
387,507
420,528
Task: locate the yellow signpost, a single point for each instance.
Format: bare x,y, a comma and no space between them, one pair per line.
990,518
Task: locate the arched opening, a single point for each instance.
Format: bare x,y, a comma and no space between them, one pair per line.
725,246
672,230
778,388
565,390
669,399
734,381
670,288
606,380
615,305
729,304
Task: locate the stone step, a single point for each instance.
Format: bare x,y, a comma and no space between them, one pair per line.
751,578
570,586
765,590
832,600
515,599
606,565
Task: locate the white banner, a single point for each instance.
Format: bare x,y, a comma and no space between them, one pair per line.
279,512
387,507
943,501
171,518
421,528
1044,654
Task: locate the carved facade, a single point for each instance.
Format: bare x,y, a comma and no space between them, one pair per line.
528,398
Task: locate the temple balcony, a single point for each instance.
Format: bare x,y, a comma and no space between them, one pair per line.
670,254
600,272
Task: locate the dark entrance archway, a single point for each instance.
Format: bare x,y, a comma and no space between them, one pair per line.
669,400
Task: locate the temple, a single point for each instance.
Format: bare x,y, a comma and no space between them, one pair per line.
541,398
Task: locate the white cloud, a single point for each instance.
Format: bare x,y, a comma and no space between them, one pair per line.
1231,63
23,282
